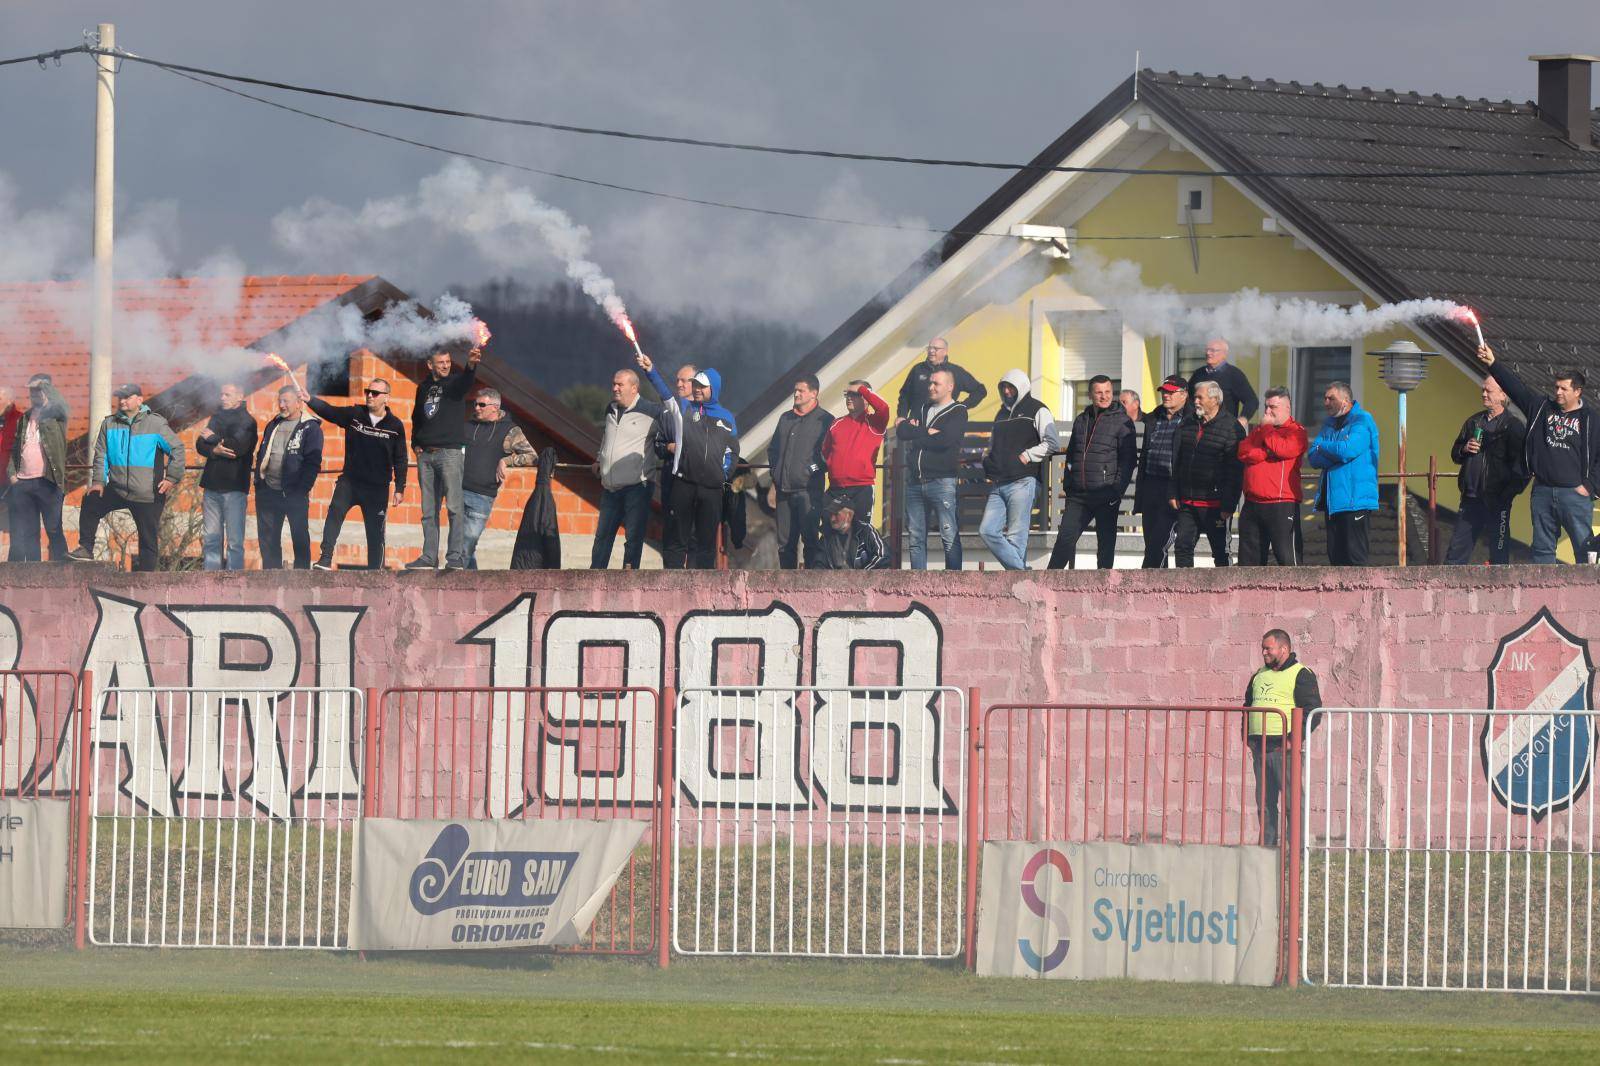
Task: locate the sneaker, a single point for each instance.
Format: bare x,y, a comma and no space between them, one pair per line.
320,565
453,566
81,555
422,564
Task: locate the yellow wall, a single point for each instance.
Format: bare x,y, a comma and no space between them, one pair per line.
994,336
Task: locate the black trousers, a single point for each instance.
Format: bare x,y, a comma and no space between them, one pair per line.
797,518
1477,519
1159,522
1268,525
1193,521
146,521
692,527
273,508
1267,754
1098,507
374,503
1347,538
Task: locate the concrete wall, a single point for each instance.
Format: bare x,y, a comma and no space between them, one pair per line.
1417,638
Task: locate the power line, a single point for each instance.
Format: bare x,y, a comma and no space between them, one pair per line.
820,153
724,205
40,57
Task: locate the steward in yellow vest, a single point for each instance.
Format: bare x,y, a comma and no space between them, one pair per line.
1282,682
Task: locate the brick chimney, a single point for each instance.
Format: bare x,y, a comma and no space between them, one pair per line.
1564,95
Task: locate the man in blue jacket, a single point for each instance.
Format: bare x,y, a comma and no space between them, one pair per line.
137,461
287,464
1346,451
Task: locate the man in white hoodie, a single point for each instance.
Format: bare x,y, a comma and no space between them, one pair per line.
1020,447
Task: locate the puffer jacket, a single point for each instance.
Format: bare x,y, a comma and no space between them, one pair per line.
1102,452
1346,451
628,447
134,453
1207,471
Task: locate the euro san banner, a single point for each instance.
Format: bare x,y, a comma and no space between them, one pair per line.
1156,912
34,836
430,884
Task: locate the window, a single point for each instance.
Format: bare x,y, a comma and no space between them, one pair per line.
1187,358
1091,345
1314,370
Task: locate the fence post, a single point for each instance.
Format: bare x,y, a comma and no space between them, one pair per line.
83,796
974,819
1434,553
664,826
369,757
1296,830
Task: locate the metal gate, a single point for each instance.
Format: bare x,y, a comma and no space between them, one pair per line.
820,821
554,753
223,817
1451,849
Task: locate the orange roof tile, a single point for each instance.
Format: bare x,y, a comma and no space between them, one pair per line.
44,326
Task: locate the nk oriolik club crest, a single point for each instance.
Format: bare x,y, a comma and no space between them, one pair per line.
1541,762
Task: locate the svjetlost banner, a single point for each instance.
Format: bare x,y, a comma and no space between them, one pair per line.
34,837
427,884
1155,912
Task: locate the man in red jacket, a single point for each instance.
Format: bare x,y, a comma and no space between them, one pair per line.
850,448
1271,455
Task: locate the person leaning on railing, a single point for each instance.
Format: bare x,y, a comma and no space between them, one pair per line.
1563,454
1283,682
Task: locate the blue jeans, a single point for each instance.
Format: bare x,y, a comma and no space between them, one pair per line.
938,495
475,509
629,507
439,475
224,528
1005,521
1555,510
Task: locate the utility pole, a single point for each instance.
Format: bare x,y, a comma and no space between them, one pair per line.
105,130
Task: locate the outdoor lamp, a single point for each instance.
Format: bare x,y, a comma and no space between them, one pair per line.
1402,366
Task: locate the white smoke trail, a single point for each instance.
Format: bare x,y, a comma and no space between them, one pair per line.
506,223
1247,317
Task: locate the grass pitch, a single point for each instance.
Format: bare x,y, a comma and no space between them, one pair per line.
292,1007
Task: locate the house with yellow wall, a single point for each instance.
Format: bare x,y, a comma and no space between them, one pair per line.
1213,185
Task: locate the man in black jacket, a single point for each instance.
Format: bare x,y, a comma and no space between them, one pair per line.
374,458
1562,450
1239,399
1489,449
1152,493
1020,447
1101,455
704,449
794,459
228,444
843,541
1208,478
933,438
438,435
969,391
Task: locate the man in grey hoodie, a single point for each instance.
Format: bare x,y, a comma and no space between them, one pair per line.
626,468
137,461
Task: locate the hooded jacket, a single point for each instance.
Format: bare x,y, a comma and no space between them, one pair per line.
1024,425
50,422
134,453
707,437
373,454
937,455
1271,456
850,447
1562,449
1346,451
1102,452
302,455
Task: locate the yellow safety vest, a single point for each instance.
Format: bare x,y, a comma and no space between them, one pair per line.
1272,688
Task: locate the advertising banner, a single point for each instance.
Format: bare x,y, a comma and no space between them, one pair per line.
1155,912
34,841
430,884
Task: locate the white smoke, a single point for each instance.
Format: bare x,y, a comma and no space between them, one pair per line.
506,224
1247,317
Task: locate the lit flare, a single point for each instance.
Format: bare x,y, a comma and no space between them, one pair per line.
274,359
480,333
1467,314
625,324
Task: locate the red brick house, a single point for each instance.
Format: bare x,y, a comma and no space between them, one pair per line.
43,331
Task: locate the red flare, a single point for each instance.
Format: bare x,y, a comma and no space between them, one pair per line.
276,360
480,333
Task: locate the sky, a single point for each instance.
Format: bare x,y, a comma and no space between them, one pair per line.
211,183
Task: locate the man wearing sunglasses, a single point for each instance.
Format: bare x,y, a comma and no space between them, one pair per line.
374,458
494,442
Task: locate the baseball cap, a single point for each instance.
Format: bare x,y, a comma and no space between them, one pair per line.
701,379
837,502
1174,383
122,392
